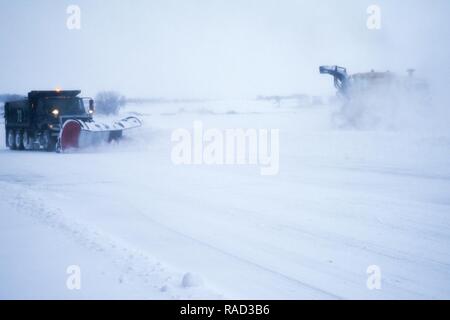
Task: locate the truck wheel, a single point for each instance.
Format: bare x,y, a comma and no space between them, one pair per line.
48,142
27,141
19,140
11,140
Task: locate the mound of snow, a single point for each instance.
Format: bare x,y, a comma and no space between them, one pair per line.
191,280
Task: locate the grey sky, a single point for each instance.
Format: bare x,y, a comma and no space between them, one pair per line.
211,48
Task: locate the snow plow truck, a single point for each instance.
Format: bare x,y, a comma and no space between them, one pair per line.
57,121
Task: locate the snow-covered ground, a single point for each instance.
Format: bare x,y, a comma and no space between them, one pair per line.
136,224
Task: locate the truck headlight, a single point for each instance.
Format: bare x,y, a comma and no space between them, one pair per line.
55,112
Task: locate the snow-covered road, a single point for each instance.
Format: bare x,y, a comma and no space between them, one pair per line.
135,223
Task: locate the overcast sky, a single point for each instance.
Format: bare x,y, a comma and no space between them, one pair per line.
212,48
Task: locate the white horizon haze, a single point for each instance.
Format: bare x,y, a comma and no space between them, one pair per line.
214,49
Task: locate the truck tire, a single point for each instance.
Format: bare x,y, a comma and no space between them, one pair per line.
27,141
11,139
48,142
19,140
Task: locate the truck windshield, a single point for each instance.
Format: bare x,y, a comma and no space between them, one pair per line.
65,106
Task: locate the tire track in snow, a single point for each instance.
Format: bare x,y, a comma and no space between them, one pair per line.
131,207
241,259
134,264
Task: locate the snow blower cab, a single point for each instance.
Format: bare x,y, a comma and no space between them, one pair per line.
57,120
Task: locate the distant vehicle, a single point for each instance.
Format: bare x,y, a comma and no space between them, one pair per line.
367,97
57,120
